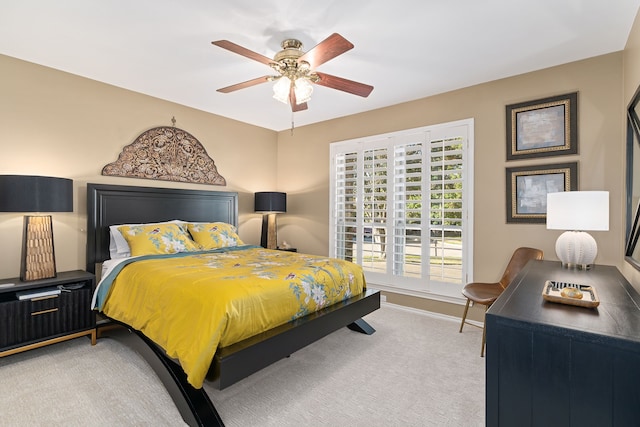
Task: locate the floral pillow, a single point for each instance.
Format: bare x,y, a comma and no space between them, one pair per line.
118,246
157,239
214,235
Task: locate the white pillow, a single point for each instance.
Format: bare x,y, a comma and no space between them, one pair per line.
118,246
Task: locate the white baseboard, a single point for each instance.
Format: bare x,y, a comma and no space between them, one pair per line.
427,313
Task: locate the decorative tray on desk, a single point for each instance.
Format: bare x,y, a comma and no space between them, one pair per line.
555,291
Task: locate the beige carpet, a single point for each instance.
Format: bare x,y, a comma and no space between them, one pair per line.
416,370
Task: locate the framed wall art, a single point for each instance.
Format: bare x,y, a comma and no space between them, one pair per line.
544,127
527,189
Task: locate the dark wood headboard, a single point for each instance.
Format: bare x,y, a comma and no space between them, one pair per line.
120,204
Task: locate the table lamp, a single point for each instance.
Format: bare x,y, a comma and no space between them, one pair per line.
25,193
270,203
577,212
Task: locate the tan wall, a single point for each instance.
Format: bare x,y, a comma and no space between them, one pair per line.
303,160
57,124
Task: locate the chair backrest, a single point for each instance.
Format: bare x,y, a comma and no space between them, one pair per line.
519,259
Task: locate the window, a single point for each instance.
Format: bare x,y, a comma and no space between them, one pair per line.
401,206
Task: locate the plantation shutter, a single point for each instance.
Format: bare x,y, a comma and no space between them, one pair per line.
400,207
446,206
345,205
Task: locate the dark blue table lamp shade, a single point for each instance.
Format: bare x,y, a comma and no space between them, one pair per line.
270,201
25,193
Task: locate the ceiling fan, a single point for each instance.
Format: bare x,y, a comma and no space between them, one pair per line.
296,70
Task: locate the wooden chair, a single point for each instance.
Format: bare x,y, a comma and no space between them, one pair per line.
487,293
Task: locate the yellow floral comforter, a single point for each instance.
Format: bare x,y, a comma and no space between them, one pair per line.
192,304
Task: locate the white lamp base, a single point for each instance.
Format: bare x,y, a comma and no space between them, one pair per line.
576,249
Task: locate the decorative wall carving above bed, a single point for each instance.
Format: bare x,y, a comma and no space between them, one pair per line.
166,153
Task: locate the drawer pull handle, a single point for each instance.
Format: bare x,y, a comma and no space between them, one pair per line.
43,298
51,310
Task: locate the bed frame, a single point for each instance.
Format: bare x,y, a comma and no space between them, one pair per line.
116,204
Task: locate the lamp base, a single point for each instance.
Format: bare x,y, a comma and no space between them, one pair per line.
569,265
576,249
38,256
269,237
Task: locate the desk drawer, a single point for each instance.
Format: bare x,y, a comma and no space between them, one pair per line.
30,320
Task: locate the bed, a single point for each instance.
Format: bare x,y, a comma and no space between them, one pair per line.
114,204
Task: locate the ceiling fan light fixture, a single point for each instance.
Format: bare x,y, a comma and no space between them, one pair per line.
303,90
281,89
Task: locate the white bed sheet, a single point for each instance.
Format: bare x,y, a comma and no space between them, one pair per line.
107,266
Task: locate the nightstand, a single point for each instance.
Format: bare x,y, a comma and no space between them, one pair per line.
34,322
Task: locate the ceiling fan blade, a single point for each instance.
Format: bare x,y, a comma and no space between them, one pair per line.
344,85
243,85
230,46
326,50
299,107
292,101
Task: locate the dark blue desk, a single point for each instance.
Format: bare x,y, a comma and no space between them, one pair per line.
551,364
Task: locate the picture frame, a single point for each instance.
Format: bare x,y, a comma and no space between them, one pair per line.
544,127
527,188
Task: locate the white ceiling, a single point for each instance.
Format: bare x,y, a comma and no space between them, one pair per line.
406,49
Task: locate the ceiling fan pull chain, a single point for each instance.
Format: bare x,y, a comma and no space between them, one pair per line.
292,123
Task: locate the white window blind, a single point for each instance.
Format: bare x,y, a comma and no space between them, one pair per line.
401,204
